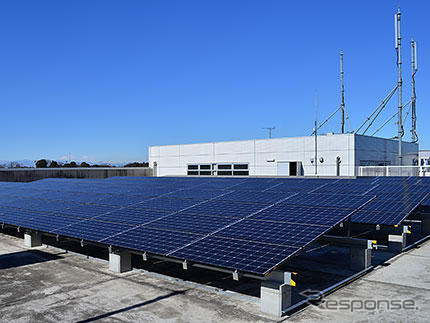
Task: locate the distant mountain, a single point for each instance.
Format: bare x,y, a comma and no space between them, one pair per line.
22,163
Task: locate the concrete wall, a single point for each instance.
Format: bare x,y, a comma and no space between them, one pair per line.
262,156
32,174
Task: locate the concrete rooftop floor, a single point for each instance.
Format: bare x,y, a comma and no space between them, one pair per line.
48,285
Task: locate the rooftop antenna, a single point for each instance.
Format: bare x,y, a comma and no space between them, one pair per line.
316,134
413,99
398,43
342,105
270,130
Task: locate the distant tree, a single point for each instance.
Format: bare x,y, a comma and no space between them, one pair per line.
42,163
66,165
54,164
73,164
84,164
136,164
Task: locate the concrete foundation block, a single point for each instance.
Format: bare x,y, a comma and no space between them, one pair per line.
361,258
120,261
396,243
32,239
276,294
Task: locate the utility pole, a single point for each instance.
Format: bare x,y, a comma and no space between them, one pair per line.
316,134
342,93
270,130
413,99
399,82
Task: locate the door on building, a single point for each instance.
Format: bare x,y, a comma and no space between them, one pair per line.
283,168
291,168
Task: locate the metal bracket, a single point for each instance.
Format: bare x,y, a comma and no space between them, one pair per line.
57,237
185,265
144,256
236,275
18,229
82,243
110,249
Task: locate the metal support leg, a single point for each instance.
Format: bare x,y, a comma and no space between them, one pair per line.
32,239
276,293
361,257
119,261
397,242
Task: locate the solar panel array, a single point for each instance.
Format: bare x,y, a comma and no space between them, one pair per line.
245,224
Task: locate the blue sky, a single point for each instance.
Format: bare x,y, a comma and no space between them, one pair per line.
105,79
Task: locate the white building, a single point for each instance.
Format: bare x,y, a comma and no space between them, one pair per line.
424,158
337,154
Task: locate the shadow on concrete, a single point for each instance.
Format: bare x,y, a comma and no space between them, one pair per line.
24,258
132,307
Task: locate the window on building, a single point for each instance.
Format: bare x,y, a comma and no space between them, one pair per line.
224,169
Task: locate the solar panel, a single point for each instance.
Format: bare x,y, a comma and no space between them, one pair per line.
226,208
168,204
193,223
379,217
248,256
280,233
328,200
246,224
301,214
92,230
88,210
131,215
255,197
151,240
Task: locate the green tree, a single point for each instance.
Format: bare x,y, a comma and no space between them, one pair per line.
73,164
84,164
53,164
42,163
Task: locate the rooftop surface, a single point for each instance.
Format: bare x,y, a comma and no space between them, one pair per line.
49,285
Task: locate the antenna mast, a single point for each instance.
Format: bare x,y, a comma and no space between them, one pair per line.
342,92
316,134
270,131
398,43
413,99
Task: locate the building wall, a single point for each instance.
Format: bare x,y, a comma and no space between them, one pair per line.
373,151
264,155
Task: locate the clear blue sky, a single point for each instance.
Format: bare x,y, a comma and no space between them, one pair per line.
105,79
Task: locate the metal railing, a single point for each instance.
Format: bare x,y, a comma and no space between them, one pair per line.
394,171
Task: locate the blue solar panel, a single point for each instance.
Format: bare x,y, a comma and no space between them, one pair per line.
379,217
248,256
328,200
152,240
194,223
121,200
88,210
92,230
39,205
130,215
168,204
197,194
302,214
255,197
280,233
248,224
226,208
